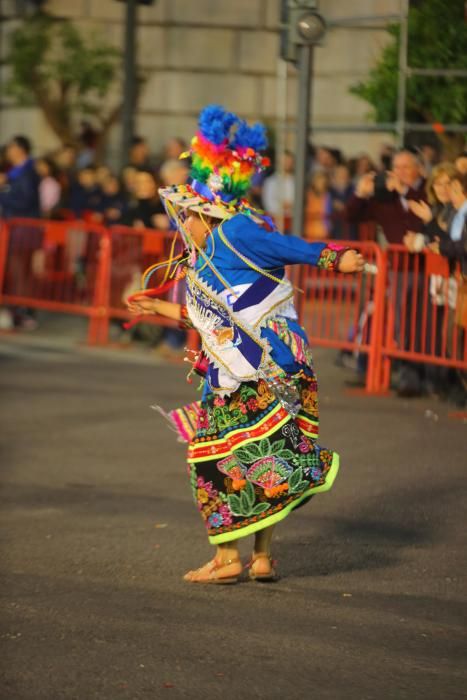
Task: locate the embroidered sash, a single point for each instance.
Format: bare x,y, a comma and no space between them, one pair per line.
229,325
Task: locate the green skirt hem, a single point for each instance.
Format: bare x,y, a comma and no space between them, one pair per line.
277,517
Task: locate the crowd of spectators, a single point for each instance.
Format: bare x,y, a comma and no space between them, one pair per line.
70,183
55,186
408,196
342,193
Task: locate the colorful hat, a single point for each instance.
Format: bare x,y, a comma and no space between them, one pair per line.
225,155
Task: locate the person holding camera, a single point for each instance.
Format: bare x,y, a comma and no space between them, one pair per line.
386,198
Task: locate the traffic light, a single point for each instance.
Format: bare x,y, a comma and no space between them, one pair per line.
301,24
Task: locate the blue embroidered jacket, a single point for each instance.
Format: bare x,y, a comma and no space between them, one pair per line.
270,251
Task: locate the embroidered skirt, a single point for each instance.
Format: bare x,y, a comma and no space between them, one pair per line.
251,462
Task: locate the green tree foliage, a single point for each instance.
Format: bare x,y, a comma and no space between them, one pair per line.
66,74
437,38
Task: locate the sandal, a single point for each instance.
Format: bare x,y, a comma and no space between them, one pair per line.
266,577
214,572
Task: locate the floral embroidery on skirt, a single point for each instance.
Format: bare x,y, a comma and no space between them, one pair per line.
251,462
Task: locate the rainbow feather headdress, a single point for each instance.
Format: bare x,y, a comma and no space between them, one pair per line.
225,155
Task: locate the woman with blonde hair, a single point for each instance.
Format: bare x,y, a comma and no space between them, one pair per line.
437,214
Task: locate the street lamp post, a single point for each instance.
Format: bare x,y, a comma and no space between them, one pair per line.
302,28
129,87
305,58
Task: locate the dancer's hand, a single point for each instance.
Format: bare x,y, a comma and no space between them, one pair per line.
351,261
142,305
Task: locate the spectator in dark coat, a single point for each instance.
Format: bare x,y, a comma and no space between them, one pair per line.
140,155
19,188
65,162
85,194
341,191
384,198
113,204
147,210
19,197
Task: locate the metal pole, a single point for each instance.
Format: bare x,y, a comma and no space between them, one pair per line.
281,120
402,78
129,88
305,59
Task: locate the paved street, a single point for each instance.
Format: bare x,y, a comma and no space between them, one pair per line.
98,526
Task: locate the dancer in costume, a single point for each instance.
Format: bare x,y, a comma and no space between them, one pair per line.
253,450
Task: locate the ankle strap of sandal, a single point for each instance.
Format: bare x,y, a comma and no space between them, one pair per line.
218,564
260,555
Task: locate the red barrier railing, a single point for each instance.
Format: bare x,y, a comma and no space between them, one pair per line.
420,308
80,268
55,265
405,311
345,311
132,251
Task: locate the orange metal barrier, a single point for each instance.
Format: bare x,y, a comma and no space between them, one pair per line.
81,268
420,314
55,265
345,311
131,252
406,311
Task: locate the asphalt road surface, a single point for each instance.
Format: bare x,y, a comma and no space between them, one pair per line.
98,527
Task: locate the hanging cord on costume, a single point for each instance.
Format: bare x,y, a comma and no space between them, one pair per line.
208,262
213,252
152,268
251,264
166,283
147,274
190,243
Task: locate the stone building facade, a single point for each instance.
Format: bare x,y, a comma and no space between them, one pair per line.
197,51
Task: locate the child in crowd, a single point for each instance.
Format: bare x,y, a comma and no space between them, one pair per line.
50,189
112,204
85,195
147,210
